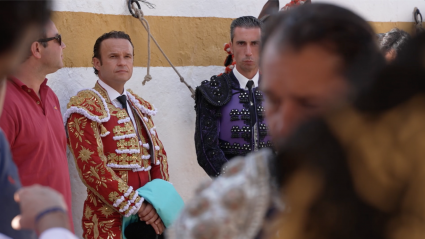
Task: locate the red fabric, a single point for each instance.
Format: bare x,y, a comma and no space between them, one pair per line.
292,4
108,186
37,137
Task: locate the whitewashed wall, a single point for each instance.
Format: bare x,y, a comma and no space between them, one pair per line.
176,118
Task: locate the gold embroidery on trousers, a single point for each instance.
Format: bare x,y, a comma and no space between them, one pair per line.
88,213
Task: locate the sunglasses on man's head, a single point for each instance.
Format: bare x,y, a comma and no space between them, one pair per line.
58,38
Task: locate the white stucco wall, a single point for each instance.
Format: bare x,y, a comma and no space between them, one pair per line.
371,10
381,10
176,118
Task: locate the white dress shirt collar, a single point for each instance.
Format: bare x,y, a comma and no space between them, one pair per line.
112,93
243,80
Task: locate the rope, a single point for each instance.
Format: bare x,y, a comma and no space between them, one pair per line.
140,15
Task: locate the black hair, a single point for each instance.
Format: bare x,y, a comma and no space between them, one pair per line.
399,81
336,29
109,35
17,15
395,39
244,22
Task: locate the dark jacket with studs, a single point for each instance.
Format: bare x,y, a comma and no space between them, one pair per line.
229,122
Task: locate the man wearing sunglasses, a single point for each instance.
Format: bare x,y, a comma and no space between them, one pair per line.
32,120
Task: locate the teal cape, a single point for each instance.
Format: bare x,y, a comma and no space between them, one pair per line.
163,197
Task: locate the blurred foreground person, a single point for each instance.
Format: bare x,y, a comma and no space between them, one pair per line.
20,23
393,42
31,118
315,58
359,172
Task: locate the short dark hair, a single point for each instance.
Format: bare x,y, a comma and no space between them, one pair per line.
336,29
16,16
245,22
399,81
395,39
109,35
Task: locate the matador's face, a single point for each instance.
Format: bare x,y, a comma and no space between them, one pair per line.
116,64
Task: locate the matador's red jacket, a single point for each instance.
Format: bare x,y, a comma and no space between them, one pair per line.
111,158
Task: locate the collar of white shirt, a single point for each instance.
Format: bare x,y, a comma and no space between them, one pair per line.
243,80
112,93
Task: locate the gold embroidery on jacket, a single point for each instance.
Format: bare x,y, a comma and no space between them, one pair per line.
77,127
122,186
113,158
93,176
133,143
121,114
106,211
99,142
85,154
102,92
113,196
91,102
92,195
124,175
123,130
122,144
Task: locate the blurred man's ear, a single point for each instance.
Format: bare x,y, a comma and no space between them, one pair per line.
96,63
231,47
391,55
35,49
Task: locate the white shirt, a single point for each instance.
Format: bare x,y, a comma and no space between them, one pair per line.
113,94
243,80
57,233
51,233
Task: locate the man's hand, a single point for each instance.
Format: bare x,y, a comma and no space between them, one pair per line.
161,226
148,214
34,200
158,226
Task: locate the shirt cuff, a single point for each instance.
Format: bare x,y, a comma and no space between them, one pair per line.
57,232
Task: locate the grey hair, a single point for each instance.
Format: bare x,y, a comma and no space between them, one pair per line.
245,22
395,39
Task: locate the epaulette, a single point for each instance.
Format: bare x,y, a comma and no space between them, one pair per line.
218,90
91,104
143,105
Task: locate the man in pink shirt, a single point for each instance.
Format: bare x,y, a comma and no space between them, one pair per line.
32,121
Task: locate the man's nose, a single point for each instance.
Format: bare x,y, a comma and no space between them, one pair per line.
63,45
248,50
291,118
121,61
